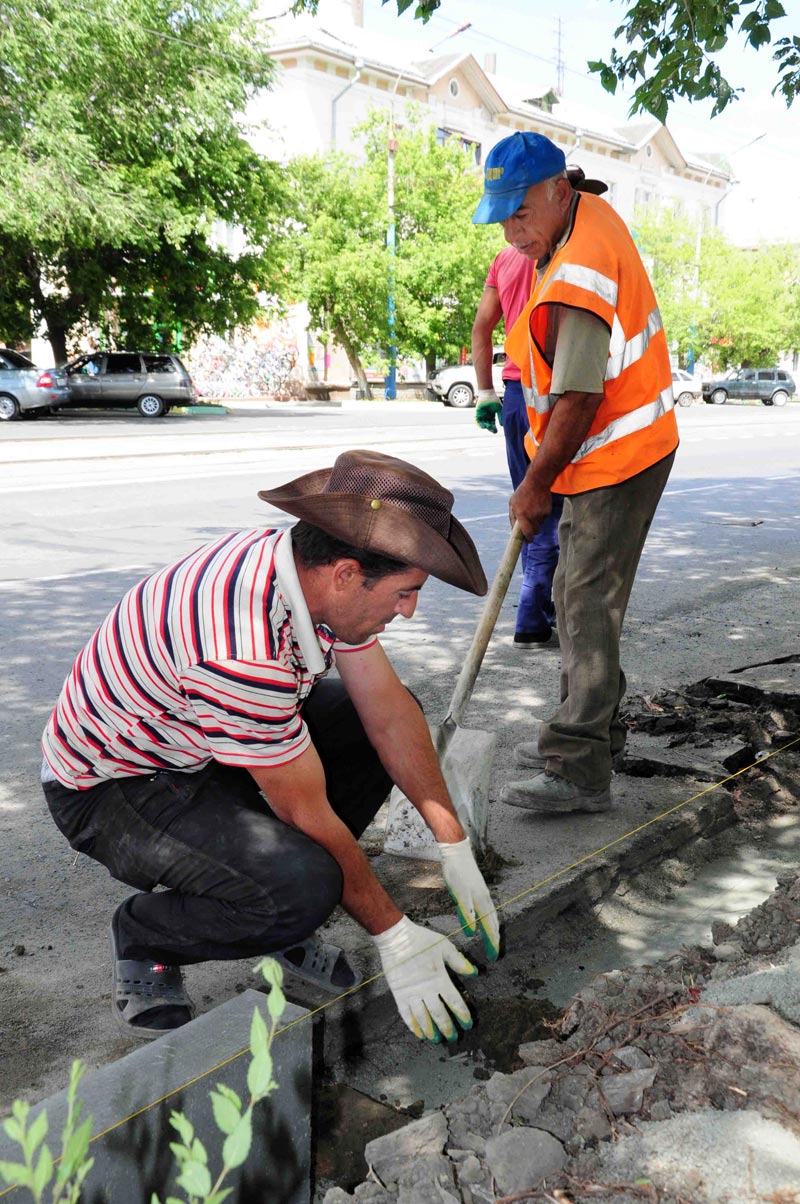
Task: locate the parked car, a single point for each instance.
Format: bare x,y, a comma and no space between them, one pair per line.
686,388
25,388
457,386
152,383
771,386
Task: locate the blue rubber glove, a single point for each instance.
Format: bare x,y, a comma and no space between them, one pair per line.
488,408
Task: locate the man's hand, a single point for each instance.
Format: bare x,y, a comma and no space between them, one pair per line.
530,505
415,962
470,894
488,408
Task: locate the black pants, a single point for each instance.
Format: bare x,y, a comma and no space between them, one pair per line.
240,882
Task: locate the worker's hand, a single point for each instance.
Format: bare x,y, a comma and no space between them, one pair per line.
415,962
471,895
488,408
530,505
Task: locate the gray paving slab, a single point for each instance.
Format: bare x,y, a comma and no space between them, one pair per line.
130,1101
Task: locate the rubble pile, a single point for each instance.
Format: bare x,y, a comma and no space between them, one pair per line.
677,1083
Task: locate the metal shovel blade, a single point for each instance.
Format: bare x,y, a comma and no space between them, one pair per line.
465,756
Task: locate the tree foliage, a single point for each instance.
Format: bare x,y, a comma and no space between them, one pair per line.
442,259
123,148
726,305
339,264
673,44
340,256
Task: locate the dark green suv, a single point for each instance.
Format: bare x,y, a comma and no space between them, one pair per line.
771,386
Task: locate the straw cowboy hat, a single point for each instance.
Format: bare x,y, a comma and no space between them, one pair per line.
379,504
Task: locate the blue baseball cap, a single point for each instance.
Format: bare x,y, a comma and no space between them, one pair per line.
512,166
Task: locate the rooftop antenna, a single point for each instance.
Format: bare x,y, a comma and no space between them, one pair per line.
559,61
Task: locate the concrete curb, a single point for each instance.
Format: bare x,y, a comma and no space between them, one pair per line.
130,1101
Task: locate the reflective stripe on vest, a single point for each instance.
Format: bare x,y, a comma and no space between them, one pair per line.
540,402
588,279
634,420
626,424
622,353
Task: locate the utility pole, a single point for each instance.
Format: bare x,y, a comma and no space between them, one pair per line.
559,62
391,378
390,386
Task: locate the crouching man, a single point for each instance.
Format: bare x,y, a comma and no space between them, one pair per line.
196,745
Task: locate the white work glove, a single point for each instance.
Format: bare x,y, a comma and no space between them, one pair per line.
470,894
415,962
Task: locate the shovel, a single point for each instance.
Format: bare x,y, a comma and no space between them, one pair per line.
465,754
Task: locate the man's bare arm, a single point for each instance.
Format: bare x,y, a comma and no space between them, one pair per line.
487,317
569,424
399,733
296,793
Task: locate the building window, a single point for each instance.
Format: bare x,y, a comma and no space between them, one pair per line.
453,88
473,148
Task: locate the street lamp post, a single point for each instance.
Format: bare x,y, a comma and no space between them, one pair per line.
390,386
390,391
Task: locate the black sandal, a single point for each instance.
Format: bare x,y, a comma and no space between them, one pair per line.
148,998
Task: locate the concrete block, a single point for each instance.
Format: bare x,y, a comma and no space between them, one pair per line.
391,1155
130,1102
521,1158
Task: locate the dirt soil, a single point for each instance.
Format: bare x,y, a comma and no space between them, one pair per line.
640,1051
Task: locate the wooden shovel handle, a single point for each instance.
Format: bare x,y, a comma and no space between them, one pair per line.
480,641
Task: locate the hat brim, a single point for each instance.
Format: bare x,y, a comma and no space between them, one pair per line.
498,206
596,187
390,530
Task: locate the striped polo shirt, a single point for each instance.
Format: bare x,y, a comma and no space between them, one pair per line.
209,659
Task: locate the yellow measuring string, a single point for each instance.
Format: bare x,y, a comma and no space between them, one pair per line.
506,902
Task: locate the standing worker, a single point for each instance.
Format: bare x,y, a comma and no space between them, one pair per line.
196,745
598,386
505,295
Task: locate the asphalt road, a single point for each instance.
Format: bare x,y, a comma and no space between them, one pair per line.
90,504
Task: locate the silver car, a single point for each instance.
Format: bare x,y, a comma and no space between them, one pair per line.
25,388
458,386
151,382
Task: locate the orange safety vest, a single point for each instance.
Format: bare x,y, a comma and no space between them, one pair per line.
598,269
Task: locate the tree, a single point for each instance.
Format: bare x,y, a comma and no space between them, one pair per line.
674,41
442,259
726,304
339,263
671,247
122,149
751,315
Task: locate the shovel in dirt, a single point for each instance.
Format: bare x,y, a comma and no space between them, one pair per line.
465,754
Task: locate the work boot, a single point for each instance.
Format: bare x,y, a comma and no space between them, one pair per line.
552,795
528,756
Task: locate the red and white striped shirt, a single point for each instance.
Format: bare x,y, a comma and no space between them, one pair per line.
210,658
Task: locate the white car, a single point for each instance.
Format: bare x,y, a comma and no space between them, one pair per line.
458,386
686,388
